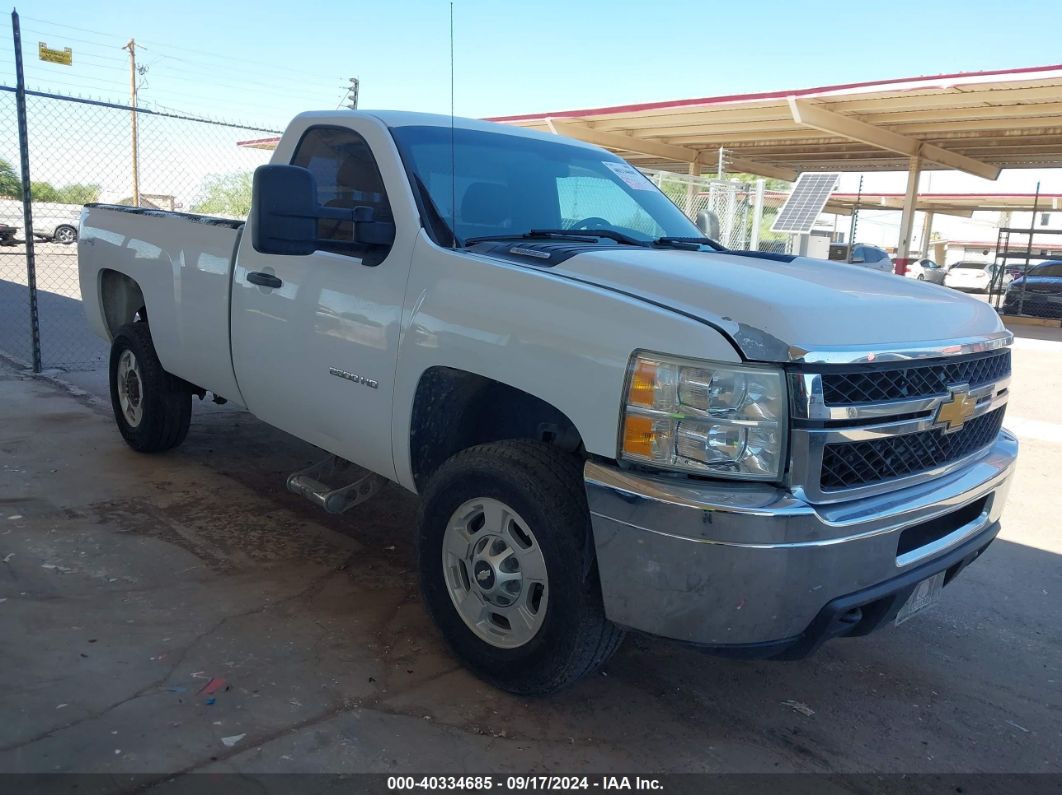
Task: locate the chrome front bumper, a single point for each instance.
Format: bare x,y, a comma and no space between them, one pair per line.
733,565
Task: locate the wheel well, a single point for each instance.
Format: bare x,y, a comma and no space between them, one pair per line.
454,409
121,299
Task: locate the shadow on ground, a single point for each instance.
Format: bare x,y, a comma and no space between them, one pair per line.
66,340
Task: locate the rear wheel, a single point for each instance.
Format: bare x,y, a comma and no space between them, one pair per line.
507,566
151,408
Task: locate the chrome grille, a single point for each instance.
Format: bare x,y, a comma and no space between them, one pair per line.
922,380
865,427
858,463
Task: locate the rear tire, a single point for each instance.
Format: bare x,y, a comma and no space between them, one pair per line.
543,548
151,407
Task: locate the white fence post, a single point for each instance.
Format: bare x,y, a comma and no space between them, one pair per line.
757,215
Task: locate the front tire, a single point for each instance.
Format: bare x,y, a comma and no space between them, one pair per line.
65,234
151,408
507,566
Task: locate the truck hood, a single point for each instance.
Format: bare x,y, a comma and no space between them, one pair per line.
778,311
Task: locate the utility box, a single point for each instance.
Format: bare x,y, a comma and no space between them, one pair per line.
815,245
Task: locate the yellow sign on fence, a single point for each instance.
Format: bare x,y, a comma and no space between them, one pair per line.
64,56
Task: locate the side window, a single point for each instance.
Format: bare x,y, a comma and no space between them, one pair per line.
347,176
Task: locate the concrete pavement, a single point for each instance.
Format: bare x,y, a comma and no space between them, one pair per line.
131,584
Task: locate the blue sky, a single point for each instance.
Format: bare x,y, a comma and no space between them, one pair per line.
263,61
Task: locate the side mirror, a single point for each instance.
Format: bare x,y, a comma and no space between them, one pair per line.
286,211
708,223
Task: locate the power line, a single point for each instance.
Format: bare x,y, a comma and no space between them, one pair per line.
112,83
295,90
295,85
169,45
115,94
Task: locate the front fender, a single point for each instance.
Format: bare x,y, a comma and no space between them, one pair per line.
565,342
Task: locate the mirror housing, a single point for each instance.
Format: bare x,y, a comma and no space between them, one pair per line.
708,223
285,209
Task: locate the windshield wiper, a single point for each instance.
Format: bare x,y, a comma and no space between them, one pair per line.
691,243
584,235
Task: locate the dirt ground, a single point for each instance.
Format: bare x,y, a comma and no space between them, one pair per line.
130,585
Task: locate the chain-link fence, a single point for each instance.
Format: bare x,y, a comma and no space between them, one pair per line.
737,214
83,151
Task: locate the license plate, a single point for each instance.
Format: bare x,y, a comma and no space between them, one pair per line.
926,594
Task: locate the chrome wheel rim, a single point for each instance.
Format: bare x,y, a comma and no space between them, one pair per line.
495,573
65,235
130,389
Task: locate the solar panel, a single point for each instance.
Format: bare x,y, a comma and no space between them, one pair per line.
805,202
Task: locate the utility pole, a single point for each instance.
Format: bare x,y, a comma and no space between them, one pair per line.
131,46
352,93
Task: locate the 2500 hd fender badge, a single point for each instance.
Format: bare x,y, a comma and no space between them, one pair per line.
357,379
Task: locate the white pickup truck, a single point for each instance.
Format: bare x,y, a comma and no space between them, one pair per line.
613,423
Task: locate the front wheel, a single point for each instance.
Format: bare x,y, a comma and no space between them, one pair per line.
66,235
151,408
507,566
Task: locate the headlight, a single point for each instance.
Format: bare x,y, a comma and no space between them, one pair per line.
716,419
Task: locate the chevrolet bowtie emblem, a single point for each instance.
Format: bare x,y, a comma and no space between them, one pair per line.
953,413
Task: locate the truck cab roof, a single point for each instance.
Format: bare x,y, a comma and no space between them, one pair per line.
405,118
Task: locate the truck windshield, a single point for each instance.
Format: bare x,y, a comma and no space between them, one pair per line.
509,185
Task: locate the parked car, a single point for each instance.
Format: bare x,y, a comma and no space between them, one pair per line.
926,270
613,423
976,277
1039,293
56,223
53,222
8,235
862,254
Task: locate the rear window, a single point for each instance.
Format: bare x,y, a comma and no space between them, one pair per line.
980,266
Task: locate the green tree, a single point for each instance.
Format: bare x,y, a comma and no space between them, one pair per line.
769,182
44,192
10,183
79,193
226,195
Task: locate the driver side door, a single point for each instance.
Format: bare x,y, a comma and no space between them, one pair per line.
314,350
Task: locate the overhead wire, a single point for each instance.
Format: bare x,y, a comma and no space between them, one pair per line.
285,84
285,69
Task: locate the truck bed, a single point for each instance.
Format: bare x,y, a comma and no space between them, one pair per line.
182,264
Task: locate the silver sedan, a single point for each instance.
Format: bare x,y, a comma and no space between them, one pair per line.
925,270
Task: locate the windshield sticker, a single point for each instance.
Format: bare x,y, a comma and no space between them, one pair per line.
631,176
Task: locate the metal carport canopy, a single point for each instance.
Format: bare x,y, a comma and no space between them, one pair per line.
962,204
977,122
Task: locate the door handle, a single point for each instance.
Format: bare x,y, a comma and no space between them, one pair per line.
264,279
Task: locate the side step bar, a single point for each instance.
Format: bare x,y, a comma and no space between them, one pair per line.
317,484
